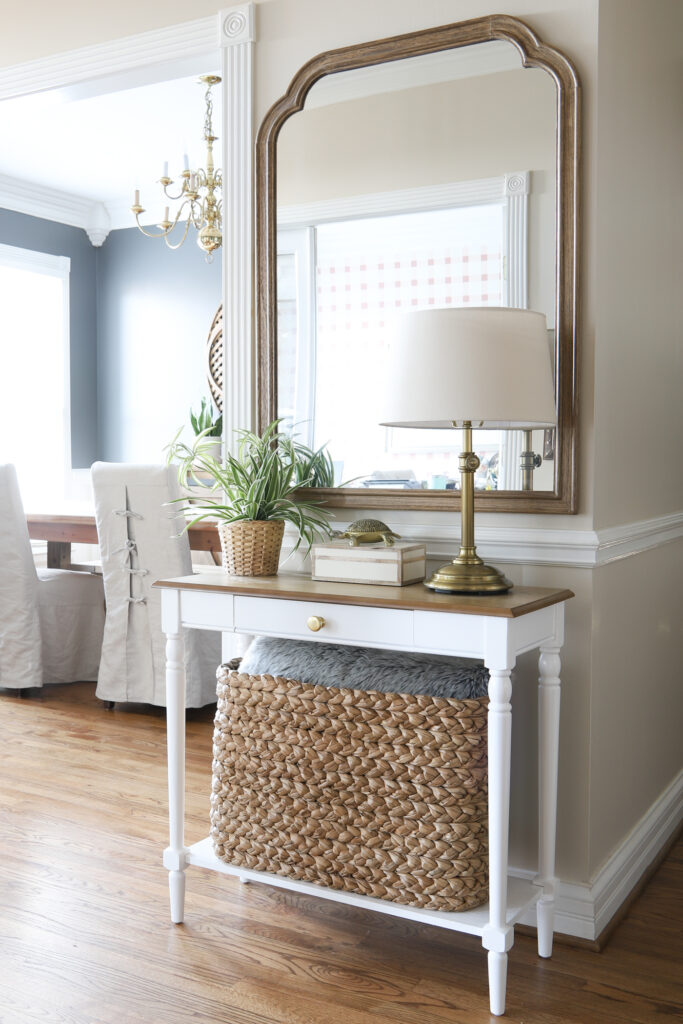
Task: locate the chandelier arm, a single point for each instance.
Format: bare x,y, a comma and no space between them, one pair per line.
150,234
174,199
178,244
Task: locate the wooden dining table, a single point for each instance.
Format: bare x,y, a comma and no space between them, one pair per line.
61,531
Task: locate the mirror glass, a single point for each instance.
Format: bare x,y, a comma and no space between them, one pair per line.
417,183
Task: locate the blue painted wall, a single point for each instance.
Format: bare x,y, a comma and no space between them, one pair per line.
154,310
61,240
140,314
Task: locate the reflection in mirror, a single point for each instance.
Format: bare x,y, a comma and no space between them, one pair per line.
422,183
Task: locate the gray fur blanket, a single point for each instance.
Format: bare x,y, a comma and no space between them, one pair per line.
363,668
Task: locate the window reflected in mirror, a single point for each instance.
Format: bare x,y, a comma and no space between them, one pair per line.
349,261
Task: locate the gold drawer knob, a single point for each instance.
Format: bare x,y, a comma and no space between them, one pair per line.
315,623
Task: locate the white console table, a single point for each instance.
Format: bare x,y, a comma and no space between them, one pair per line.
493,628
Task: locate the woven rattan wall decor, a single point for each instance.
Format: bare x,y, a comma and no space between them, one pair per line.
214,352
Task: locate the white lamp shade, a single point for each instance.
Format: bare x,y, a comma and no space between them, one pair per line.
488,365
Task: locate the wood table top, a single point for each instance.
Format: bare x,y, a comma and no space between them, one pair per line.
81,529
415,596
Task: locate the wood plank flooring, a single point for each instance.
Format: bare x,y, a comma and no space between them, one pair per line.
85,936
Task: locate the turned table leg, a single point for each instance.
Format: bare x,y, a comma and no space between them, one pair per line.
548,748
175,857
498,936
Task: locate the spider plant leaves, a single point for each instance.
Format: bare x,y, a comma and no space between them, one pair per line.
258,482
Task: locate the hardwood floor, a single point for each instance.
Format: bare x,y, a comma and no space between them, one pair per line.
85,936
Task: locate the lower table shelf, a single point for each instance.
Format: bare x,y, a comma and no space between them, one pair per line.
522,894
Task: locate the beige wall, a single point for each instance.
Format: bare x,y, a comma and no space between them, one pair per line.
639,357
636,714
636,705
618,747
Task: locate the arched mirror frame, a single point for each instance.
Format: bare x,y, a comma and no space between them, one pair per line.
534,53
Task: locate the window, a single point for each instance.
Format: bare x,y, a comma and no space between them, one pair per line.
34,372
340,280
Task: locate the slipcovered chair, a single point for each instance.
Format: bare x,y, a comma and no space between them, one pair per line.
51,620
141,540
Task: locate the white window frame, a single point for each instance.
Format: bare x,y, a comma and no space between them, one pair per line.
60,267
300,243
296,232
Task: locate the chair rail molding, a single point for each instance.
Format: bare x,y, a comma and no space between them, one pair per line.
580,549
237,37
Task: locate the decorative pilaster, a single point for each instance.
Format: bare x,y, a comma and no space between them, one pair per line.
236,38
517,195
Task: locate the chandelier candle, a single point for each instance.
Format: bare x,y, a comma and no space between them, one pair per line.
199,195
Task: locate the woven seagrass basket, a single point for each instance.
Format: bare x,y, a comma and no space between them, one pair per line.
373,793
252,547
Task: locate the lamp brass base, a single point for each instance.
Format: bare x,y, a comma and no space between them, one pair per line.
468,577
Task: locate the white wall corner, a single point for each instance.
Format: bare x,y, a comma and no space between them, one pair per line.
98,224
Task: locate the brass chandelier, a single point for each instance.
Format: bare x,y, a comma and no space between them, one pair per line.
201,211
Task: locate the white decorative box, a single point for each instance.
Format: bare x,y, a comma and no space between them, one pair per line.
404,562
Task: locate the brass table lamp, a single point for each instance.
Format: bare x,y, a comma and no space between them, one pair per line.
469,368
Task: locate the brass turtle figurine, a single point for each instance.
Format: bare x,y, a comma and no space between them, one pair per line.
369,531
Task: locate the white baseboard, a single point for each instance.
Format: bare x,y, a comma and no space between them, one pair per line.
585,910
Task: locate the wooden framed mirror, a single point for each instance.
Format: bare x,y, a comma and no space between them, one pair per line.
448,158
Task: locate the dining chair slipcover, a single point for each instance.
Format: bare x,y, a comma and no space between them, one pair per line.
51,620
142,540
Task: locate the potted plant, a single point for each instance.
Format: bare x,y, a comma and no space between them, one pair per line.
205,426
252,497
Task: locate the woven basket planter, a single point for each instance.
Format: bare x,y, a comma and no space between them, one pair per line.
372,793
252,547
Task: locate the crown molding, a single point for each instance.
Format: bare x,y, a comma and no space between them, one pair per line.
51,204
184,43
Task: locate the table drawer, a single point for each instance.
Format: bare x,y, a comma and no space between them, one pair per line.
376,627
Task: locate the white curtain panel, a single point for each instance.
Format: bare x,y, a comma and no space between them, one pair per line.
51,620
141,541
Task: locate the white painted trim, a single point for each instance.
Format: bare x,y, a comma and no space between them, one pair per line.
624,868
583,549
237,35
516,189
191,40
585,910
547,546
51,265
48,203
40,262
428,197
617,542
